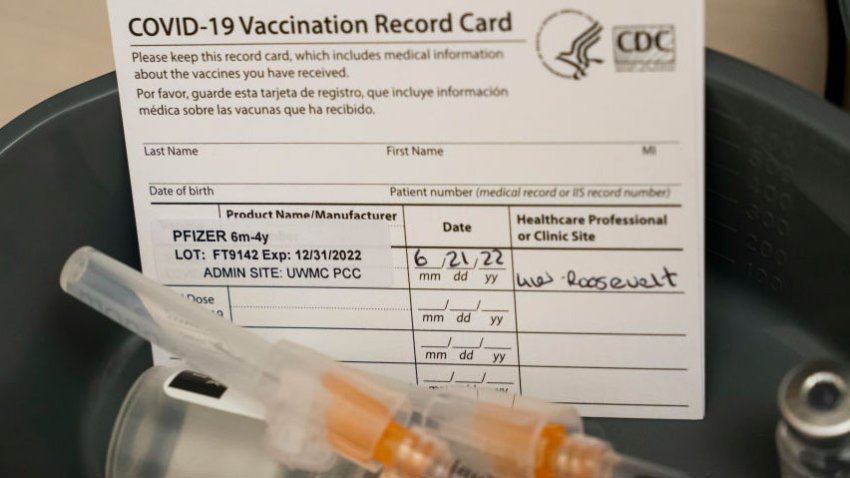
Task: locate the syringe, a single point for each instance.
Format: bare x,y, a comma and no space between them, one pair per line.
318,409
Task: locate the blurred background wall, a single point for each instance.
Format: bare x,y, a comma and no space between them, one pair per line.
47,46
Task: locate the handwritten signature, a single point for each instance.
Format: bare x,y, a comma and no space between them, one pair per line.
538,281
666,279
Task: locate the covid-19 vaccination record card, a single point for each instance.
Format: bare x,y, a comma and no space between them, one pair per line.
478,194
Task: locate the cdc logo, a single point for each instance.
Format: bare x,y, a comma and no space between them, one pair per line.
644,47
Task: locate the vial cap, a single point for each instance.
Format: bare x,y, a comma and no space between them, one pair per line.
814,399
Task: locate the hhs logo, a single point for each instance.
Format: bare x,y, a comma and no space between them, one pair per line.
645,47
565,43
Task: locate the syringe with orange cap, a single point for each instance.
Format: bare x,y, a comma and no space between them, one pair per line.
318,410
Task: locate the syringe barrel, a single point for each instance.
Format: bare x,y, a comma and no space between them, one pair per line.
314,405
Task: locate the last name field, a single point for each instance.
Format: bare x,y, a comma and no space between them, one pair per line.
165,151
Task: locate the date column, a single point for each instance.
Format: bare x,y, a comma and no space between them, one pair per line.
462,302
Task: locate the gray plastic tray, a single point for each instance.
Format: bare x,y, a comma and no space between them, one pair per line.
778,275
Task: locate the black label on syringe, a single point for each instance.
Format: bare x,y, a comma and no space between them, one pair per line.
197,383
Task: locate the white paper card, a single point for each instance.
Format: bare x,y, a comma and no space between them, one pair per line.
538,165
